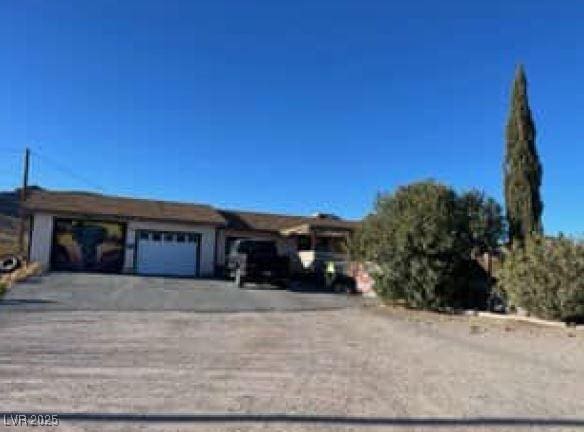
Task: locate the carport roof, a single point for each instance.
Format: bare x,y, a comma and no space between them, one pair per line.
244,220
85,203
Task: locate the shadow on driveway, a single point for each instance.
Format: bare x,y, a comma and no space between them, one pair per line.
309,419
17,301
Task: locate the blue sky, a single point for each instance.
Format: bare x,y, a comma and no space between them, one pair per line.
289,106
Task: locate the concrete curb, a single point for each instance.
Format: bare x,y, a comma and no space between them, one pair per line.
531,320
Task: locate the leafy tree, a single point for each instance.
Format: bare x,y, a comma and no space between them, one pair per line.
486,226
417,238
523,171
420,238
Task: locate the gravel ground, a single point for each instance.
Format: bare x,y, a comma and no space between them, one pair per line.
357,365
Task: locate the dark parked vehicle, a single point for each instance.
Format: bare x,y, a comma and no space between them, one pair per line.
334,279
257,261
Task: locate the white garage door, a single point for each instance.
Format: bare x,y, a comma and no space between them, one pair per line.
167,253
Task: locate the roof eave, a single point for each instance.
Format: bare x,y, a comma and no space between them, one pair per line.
120,218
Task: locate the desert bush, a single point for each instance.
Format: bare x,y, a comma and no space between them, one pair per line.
421,238
546,277
414,235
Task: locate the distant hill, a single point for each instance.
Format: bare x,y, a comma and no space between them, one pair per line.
9,220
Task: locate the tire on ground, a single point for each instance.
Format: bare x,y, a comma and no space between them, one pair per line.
9,263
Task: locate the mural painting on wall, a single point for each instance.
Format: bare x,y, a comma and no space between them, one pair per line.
82,245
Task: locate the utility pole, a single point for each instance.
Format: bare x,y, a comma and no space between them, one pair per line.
22,200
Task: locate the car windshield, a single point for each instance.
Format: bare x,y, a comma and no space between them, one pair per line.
257,247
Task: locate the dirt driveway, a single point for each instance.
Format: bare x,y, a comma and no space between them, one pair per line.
354,368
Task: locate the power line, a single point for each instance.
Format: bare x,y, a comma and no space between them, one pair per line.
66,170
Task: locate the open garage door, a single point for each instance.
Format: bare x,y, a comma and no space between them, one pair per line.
167,253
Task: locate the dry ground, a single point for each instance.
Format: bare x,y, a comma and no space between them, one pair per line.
399,367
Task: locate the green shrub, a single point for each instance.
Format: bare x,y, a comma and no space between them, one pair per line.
417,237
485,222
421,239
2,289
546,277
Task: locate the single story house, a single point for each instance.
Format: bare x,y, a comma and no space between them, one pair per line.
81,231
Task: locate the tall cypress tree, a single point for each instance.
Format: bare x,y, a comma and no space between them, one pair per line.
523,170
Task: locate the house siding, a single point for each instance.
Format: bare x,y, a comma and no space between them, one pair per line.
41,239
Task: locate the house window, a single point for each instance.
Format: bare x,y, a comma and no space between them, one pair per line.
191,238
144,235
156,236
168,237
180,238
303,243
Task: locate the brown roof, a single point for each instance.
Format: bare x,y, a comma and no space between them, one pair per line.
243,220
85,203
96,204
